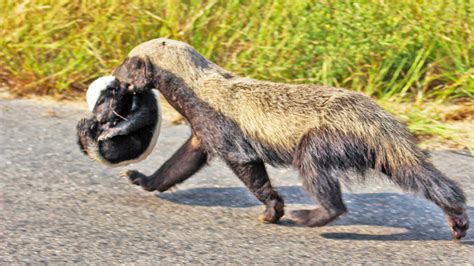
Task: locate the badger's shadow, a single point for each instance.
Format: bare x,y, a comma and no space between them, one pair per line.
421,219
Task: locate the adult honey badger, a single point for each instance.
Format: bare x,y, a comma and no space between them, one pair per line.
325,133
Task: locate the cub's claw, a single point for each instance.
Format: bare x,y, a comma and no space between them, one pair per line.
139,179
108,134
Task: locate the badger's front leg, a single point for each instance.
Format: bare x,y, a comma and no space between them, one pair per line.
255,177
186,161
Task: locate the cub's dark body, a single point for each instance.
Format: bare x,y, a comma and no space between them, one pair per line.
126,120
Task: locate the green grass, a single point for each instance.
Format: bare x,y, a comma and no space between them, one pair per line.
391,50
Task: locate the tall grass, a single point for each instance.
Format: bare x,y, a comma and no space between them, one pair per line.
383,48
405,50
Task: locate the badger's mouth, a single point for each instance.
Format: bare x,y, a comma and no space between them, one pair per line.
119,150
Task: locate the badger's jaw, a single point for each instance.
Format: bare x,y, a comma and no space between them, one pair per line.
96,88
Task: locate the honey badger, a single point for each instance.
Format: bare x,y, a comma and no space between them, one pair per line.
325,133
124,125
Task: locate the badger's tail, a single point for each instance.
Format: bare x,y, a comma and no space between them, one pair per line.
368,137
397,156
426,180
431,183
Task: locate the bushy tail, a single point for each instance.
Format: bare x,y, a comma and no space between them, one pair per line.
357,134
428,181
431,183
391,149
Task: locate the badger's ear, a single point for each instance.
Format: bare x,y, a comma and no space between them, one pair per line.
136,72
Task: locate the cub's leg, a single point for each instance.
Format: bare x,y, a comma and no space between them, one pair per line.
183,164
140,116
255,177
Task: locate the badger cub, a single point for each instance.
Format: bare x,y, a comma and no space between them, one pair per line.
124,125
326,134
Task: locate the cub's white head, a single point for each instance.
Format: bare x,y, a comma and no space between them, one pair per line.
96,89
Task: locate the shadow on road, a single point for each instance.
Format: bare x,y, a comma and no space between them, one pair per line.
422,219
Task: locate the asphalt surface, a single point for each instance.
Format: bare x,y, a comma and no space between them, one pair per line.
56,205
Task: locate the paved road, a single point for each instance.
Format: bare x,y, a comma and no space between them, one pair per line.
58,206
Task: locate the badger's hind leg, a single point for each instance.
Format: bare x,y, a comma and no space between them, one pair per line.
320,165
325,187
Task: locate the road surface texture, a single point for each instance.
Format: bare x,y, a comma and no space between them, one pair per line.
56,205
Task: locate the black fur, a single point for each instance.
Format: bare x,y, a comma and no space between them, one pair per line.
137,112
217,136
136,74
183,164
254,176
120,139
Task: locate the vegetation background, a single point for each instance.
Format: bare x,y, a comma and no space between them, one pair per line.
414,57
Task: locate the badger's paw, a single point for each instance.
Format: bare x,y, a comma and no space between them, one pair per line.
139,179
459,223
274,210
316,217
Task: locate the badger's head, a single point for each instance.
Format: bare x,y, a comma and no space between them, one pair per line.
135,74
146,63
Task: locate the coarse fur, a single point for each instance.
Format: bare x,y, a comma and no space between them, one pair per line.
326,133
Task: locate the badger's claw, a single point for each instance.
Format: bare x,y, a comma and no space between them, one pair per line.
459,223
139,179
124,173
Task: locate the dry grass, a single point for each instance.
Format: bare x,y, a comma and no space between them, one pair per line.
438,126
415,49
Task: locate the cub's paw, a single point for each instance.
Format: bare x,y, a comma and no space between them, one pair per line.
139,179
108,134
